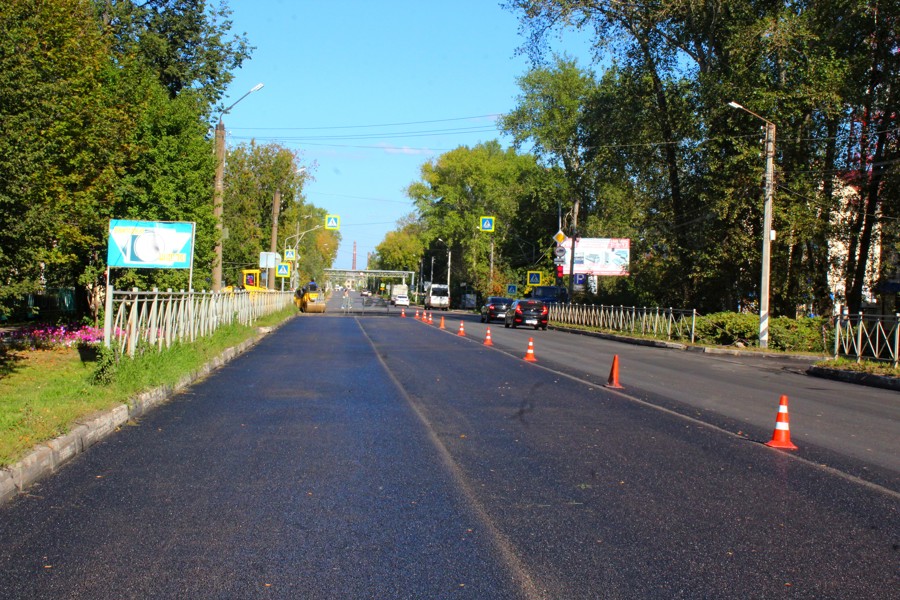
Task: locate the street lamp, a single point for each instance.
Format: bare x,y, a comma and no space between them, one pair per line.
299,235
767,226
448,269
218,190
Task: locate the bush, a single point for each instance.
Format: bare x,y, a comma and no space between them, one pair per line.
791,335
800,335
727,329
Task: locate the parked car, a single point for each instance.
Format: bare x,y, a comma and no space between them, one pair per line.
528,313
401,300
494,308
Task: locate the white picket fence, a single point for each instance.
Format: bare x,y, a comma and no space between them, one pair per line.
868,337
667,323
160,319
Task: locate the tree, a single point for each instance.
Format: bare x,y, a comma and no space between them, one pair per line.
550,115
464,184
62,136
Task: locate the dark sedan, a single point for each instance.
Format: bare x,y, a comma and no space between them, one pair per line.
494,308
528,313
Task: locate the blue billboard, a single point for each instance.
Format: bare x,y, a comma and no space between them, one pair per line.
150,244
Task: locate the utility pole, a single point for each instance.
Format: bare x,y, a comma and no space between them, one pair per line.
767,237
273,247
575,206
767,226
218,192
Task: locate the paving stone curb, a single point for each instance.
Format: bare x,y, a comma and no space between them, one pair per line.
48,457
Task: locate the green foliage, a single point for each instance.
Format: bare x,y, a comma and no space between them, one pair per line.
727,329
105,367
785,334
103,109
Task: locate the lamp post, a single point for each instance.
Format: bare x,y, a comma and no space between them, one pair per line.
448,270
767,226
219,188
299,235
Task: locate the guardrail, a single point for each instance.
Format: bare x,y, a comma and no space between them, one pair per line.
868,337
160,319
668,323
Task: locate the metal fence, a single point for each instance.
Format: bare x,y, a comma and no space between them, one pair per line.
160,319
868,337
666,323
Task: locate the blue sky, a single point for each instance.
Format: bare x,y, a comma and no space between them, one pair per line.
369,90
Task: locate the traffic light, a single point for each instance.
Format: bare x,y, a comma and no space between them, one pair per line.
559,271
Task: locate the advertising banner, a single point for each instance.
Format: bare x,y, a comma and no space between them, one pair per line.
599,256
150,244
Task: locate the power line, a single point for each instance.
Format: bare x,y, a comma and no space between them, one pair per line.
369,126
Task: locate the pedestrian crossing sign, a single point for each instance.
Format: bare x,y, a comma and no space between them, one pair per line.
534,278
283,270
511,289
288,254
332,222
487,223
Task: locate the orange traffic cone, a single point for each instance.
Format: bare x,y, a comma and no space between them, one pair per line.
431,318
614,374
487,338
462,329
781,438
403,313
442,323
529,354
417,314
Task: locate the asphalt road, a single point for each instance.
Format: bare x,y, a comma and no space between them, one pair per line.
380,457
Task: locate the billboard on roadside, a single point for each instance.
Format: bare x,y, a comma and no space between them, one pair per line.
598,256
150,244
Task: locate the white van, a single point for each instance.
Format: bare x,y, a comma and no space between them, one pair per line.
437,296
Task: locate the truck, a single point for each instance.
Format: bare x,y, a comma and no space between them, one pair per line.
437,295
398,289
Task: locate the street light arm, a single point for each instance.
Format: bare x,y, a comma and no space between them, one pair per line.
747,110
255,88
300,235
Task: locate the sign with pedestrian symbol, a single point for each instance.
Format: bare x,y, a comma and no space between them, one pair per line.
487,223
283,270
288,254
534,278
332,222
511,289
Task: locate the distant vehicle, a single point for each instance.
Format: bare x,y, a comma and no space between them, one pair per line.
399,289
365,293
437,296
494,308
550,294
401,300
527,313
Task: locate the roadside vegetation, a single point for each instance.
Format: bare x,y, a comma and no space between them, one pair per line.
48,385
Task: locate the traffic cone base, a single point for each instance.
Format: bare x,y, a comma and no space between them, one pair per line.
614,374
529,354
781,437
487,338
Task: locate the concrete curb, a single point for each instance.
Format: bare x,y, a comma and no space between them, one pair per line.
48,457
879,381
